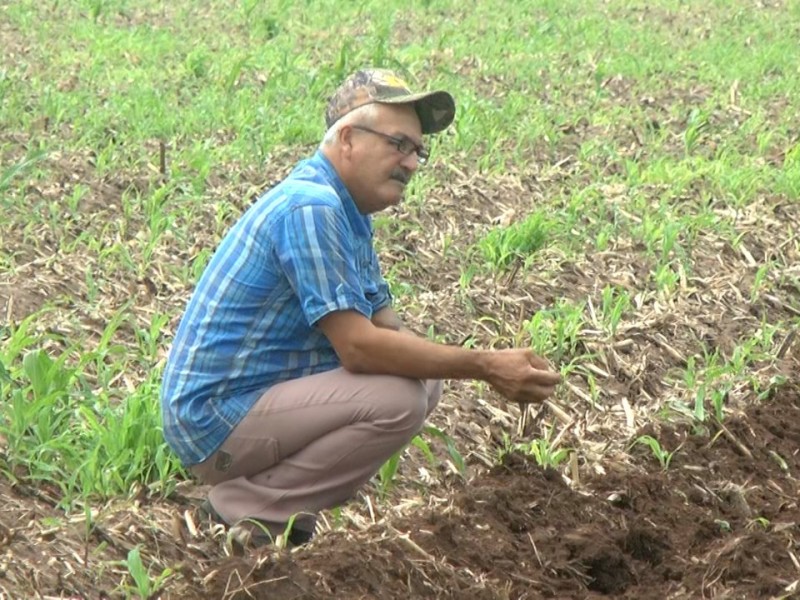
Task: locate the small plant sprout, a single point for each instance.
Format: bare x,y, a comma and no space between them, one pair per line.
615,302
556,332
700,404
666,279
388,471
696,125
504,245
759,281
659,452
724,526
545,454
543,451
145,586
282,540
718,399
761,523
780,460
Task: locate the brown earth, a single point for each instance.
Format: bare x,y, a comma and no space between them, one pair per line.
722,521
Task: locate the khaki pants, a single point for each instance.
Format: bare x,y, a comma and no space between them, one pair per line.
310,443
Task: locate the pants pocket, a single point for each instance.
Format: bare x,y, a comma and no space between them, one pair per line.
238,457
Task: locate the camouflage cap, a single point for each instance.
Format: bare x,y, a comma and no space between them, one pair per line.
436,110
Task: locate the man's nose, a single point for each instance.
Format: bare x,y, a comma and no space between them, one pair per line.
410,162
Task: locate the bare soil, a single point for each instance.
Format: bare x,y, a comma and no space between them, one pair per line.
720,522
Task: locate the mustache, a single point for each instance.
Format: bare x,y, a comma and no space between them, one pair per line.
401,175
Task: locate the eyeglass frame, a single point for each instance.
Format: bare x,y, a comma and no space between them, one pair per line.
423,154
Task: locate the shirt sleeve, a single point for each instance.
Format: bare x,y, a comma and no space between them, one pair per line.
378,292
313,244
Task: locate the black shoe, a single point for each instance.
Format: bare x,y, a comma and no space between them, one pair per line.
254,532
207,511
299,537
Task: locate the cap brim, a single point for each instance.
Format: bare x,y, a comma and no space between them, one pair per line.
436,110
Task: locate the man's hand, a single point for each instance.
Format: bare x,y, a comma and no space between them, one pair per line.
517,374
521,376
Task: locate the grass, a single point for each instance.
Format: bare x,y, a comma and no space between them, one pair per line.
621,178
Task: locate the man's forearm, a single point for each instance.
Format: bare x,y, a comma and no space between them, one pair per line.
391,352
517,374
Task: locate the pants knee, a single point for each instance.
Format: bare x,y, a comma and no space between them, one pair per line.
404,405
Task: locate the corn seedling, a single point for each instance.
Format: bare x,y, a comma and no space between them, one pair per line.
723,525
759,281
145,586
555,332
615,302
663,456
779,460
760,523
541,449
517,242
696,126
388,471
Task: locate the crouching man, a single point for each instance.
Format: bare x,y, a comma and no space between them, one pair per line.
291,380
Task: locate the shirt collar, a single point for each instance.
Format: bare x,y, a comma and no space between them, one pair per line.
361,224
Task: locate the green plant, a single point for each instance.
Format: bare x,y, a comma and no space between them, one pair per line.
615,303
504,245
145,586
556,332
663,456
696,126
388,471
543,451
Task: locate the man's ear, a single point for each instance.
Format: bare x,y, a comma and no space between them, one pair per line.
346,141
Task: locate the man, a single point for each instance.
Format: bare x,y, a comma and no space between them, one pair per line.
291,380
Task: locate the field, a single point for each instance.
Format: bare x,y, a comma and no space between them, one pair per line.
620,191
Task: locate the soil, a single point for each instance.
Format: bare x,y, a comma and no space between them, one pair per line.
720,522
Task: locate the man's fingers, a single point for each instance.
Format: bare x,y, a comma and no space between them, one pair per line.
546,377
537,362
535,394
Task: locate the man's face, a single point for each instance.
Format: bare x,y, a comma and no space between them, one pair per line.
379,170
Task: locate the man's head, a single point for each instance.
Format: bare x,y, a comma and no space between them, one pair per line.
375,133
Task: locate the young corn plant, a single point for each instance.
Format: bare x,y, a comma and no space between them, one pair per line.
555,332
616,302
144,586
61,430
696,126
663,456
503,246
545,454
543,451
388,471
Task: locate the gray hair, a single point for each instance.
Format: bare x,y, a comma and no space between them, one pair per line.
366,114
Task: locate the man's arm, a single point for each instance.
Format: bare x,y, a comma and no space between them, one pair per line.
517,374
386,318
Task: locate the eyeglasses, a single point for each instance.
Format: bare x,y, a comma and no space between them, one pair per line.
403,144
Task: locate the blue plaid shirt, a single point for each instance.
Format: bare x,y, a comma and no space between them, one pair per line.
300,252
